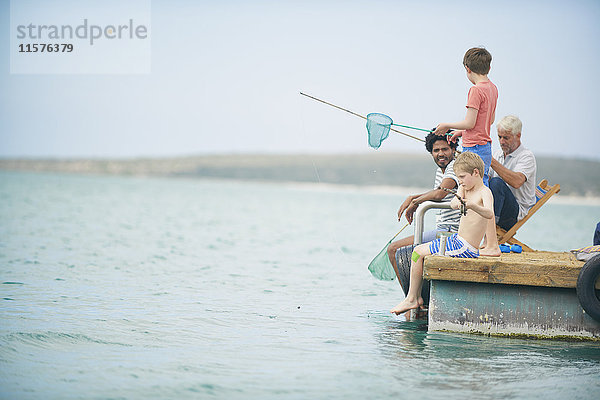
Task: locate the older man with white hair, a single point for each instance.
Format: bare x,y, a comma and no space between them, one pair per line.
513,175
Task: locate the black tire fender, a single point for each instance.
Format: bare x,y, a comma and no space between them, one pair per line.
586,287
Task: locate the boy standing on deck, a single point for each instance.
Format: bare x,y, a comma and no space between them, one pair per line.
475,128
481,109
479,204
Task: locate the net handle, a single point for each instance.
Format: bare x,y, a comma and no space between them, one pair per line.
412,127
399,232
360,116
449,133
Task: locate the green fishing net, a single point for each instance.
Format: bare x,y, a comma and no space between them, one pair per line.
380,267
378,129
379,126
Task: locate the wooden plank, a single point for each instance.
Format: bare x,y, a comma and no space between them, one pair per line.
530,279
535,279
547,269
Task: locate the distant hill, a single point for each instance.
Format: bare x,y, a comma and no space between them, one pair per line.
576,176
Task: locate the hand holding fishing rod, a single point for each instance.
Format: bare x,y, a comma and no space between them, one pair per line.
463,204
443,129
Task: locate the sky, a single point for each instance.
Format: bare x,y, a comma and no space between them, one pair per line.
224,77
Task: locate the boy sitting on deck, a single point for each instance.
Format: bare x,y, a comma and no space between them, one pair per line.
469,168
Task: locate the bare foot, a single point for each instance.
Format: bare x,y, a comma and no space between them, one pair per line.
405,306
490,251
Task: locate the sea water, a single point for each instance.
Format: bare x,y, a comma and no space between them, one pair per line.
137,288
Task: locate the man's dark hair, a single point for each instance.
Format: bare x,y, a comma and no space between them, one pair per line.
432,138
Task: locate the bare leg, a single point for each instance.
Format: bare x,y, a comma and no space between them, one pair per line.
393,247
413,298
490,246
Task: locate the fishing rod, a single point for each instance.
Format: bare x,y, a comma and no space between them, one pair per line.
365,118
463,203
378,125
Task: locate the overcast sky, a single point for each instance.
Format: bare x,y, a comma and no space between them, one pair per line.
225,78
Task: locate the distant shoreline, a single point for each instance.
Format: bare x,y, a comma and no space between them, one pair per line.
401,191
384,171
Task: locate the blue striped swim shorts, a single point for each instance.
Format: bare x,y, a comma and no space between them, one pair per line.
456,246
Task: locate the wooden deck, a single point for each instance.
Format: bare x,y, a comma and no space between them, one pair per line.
540,268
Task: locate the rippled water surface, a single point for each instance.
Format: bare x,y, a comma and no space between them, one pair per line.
116,287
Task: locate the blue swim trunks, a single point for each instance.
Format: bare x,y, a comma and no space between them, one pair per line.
456,246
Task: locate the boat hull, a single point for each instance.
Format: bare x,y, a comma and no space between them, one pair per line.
509,310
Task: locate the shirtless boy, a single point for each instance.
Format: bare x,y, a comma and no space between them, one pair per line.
479,202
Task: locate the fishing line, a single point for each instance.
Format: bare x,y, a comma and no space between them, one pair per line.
332,232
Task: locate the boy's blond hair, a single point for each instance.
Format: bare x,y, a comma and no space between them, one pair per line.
478,60
468,162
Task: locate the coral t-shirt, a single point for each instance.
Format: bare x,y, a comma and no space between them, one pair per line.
482,97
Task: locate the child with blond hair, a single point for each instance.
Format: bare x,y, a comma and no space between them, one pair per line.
477,200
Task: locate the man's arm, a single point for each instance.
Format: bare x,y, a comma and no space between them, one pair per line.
512,178
406,207
437,194
412,202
